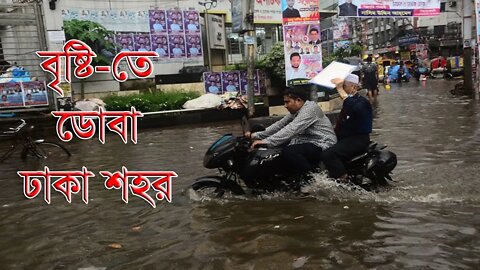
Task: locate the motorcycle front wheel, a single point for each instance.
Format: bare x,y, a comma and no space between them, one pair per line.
216,186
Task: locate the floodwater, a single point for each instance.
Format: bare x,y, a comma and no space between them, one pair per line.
430,219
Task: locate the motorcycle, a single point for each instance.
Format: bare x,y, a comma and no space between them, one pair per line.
260,169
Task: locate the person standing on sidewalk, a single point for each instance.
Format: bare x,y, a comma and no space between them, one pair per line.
353,127
370,77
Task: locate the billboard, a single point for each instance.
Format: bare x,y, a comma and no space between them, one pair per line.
388,8
302,41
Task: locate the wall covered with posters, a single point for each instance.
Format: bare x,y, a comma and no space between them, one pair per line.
174,34
233,81
23,94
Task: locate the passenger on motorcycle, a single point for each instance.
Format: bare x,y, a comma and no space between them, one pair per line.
303,133
353,127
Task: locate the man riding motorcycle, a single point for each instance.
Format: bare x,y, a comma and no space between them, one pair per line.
303,133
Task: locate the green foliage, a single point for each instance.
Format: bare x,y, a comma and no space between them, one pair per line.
94,35
149,102
274,63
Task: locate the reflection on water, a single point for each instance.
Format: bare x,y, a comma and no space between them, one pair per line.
429,220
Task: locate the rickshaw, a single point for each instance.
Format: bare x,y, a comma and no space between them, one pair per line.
438,67
454,67
383,65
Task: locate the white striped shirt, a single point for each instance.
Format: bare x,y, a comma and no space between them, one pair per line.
308,125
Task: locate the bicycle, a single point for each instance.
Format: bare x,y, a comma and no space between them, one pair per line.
38,148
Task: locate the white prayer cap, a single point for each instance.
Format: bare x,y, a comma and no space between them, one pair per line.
352,78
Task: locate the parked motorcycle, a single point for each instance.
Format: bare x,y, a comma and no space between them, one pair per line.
260,170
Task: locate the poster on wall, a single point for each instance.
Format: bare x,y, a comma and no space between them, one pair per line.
244,82
12,95
213,82
388,8
231,81
158,23
177,46
16,94
160,45
124,41
194,46
191,22
35,93
142,42
234,81
175,21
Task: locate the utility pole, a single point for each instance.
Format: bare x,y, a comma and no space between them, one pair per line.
250,58
467,47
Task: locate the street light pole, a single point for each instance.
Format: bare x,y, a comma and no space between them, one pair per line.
467,48
251,60
209,54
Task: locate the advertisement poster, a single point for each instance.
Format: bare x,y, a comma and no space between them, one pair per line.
300,11
234,81
341,44
302,40
158,22
341,29
191,22
256,82
213,82
160,45
231,81
12,95
177,46
303,57
267,11
175,21
124,41
142,42
35,93
194,45
16,94
388,8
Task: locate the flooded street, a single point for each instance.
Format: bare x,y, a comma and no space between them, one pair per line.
429,220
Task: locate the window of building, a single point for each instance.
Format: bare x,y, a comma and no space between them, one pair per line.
234,42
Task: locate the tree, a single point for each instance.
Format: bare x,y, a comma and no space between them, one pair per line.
97,37
94,35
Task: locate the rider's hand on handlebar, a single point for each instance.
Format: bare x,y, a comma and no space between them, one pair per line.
257,143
